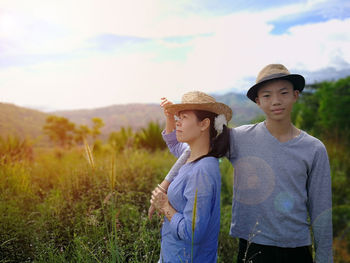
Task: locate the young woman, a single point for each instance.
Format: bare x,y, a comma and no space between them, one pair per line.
191,203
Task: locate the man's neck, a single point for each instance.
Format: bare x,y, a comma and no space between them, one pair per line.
282,130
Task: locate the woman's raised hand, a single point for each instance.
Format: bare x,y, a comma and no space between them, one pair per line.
170,120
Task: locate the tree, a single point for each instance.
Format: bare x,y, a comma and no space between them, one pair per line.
334,110
80,133
98,124
324,109
304,113
151,137
122,139
60,130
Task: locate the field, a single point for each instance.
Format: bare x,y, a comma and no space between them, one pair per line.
59,206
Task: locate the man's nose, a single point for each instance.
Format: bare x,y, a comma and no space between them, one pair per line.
276,100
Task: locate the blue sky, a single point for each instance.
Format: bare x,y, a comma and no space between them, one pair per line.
87,54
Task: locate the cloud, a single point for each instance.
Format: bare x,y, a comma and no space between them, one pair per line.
310,13
85,54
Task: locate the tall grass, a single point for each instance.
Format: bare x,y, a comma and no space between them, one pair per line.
57,207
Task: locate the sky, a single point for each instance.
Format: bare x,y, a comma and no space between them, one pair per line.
57,55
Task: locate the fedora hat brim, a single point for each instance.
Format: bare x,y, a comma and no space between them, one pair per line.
297,80
217,107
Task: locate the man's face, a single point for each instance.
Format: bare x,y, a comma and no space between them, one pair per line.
276,99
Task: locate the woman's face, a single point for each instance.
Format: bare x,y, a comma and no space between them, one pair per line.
188,127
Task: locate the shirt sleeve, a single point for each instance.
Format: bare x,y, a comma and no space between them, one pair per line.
230,154
175,147
181,223
176,167
320,205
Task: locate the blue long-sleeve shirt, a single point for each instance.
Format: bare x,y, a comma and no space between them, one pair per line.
202,176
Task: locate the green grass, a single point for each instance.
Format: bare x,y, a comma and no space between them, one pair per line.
59,209
55,207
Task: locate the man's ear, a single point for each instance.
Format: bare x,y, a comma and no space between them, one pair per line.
296,94
257,101
205,124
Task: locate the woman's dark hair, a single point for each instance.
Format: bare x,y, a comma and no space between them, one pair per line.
219,145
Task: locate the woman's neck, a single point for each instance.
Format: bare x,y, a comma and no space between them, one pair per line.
199,147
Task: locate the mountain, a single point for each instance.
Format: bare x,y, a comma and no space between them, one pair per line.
138,115
26,122
116,116
22,122
244,110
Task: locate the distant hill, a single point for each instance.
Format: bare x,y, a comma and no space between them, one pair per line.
244,110
138,115
26,122
22,122
116,116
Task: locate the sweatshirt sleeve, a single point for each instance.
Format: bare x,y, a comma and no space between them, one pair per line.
230,154
181,223
175,147
320,205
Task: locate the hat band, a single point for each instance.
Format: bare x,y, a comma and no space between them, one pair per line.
273,76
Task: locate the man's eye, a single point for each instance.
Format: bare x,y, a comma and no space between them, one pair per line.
266,96
286,92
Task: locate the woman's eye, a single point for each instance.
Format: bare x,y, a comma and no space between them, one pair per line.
266,96
176,118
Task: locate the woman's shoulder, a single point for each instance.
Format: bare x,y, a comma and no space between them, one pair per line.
208,160
205,171
208,163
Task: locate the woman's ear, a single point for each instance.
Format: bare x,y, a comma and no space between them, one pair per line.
205,124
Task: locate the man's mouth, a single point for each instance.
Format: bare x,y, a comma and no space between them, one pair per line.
277,111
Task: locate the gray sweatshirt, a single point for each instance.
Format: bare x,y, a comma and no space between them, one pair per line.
280,190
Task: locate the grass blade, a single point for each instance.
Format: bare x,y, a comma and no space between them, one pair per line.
194,221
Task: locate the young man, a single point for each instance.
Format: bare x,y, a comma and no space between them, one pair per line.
281,178
282,183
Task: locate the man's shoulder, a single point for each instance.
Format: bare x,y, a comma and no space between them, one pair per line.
312,141
243,129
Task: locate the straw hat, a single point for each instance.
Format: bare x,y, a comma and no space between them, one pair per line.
275,71
197,100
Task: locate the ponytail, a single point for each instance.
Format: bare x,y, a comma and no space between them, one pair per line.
219,144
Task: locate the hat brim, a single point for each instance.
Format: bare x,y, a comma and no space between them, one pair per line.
297,80
217,107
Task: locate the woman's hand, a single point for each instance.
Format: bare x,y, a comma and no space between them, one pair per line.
160,202
164,186
170,120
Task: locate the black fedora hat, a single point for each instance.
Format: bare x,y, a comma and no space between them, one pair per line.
273,72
